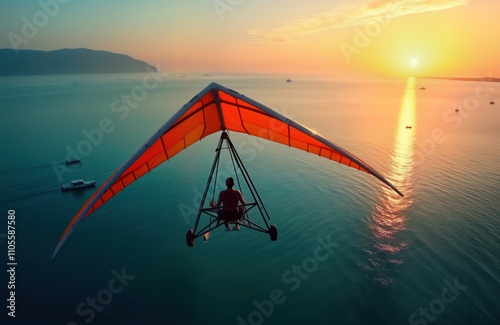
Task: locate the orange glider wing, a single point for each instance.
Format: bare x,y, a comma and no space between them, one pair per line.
214,109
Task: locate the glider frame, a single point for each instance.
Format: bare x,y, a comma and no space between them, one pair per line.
255,204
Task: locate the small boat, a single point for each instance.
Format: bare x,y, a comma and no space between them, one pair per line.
72,162
408,126
492,102
422,88
76,184
289,80
456,110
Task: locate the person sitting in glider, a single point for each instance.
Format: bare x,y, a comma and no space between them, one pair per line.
230,210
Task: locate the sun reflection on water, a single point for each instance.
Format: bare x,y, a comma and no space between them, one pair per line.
388,217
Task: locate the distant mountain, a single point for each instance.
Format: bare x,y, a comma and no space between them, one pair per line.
67,61
488,79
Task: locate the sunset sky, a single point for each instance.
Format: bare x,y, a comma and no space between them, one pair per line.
337,37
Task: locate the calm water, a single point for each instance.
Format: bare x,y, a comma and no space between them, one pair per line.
349,250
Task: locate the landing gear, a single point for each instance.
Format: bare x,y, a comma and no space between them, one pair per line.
273,232
252,209
190,238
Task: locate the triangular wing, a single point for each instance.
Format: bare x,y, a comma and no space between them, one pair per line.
214,109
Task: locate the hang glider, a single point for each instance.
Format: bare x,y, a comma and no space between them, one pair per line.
215,108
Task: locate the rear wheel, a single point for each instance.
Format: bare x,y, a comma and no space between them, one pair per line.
190,238
273,232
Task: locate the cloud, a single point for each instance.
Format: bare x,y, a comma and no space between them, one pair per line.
348,15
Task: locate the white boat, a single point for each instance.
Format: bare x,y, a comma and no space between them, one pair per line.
77,183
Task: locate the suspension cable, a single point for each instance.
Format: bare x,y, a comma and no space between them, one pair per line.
216,175
234,162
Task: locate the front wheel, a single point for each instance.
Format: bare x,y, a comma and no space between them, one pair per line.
190,238
273,232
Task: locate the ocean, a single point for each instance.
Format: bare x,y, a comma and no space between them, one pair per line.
349,250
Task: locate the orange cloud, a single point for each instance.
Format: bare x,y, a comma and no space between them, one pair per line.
349,15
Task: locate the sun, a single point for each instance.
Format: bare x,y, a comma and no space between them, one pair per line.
414,62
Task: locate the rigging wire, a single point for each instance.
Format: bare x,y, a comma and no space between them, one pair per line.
216,176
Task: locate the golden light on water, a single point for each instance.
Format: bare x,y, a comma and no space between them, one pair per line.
389,214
